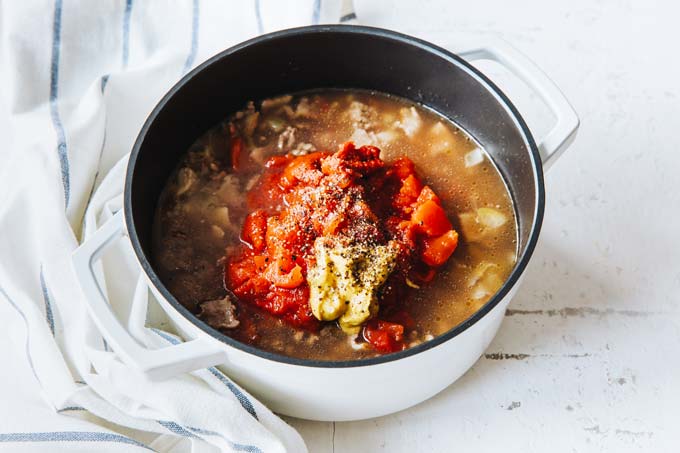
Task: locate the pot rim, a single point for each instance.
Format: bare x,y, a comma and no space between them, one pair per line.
509,283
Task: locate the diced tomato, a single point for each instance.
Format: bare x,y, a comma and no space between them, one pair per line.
255,229
411,186
303,168
427,194
437,250
282,277
333,224
407,233
351,193
244,278
266,194
302,316
403,167
261,263
252,288
384,336
352,161
291,305
240,271
278,234
408,193
431,218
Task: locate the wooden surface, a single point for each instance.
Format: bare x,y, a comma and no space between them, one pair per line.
587,357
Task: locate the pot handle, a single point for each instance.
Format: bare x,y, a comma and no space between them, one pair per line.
564,131
156,364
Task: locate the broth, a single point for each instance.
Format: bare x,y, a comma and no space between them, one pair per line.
202,210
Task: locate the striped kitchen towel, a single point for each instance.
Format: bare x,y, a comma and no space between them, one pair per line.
77,80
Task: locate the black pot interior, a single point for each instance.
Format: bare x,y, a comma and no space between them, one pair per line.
338,57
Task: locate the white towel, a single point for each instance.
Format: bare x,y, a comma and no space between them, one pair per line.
78,79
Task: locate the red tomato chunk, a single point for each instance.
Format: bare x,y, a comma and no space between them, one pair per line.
351,193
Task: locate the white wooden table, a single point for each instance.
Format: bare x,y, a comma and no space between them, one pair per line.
588,356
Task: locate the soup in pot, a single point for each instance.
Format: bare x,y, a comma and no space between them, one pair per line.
334,225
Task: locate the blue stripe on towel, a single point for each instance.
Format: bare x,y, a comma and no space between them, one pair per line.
48,300
316,12
126,32
103,82
187,432
347,17
28,341
62,150
177,429
166,336
58,436
240,396
71,408
70,436
233,445
258,17
126,44
194,37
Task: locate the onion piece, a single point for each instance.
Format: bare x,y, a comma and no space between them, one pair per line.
476,226
385,137
259,155
361,137
222,218
286,139
250,123
441,138
272,103
217,232
303,109
479,271
276,124
491,218
185,179
474,157
229,191
484,280
470,227
410,121
362,116
302,149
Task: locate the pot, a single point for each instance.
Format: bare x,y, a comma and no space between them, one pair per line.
340,57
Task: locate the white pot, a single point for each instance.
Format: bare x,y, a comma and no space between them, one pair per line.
335,390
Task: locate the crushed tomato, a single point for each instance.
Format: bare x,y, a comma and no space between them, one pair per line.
351,193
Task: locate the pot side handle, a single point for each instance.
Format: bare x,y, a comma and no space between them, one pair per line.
564,131
156,364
